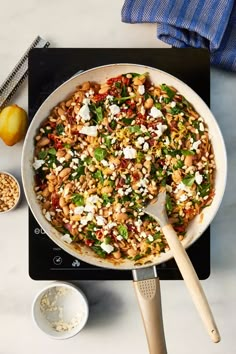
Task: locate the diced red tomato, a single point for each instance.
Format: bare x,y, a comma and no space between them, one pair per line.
55,200
100,96
114,79
120,183
124,163
88,242
125,80
58,144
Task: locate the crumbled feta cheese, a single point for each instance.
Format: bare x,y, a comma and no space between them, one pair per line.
201,127
129,152
141,89
61,159
110,225
120,192
58,169
106,247
93,199
145,146
195,145
48,216
109,97
66,238
183,197
160,129
155,113
114,109
84,112
37,164
198,177
105,163
181,187
128,191
140,140
78,210
90,131
173,104
119,237
100,220
143,234
150,238
167,141
86,101
89,208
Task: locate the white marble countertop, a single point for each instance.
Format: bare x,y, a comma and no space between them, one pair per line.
114,324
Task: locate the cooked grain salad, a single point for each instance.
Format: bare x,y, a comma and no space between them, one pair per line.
103,154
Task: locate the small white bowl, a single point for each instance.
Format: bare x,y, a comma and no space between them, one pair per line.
18,188
60,310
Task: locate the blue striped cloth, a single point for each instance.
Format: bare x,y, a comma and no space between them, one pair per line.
196,23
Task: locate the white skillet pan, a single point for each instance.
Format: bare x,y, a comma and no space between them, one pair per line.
146,281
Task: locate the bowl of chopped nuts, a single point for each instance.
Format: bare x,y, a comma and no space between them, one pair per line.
60,310
9,192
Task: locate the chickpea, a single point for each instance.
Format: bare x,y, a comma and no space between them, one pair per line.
148,103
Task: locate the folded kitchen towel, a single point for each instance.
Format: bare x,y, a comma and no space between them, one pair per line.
191,23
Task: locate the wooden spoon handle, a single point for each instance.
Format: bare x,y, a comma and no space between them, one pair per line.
149,299
192,282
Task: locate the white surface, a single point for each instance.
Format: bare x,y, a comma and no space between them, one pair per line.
114,324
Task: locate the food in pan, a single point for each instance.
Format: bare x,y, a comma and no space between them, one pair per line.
103,154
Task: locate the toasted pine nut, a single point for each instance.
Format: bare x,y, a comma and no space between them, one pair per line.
106,190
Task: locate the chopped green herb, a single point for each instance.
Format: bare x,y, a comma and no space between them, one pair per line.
179,164
128,179
60,129
140,156
79,172
52,151
127,120
124,92
123,231
42,154
187,152
135,129
98,175
117,84
78,199
107,240
123,99
169,92
106,199
67,146
204,189
137,257
157,105
107,140
100,154
88,160
113,124
175,110
188,180
99,114
99,251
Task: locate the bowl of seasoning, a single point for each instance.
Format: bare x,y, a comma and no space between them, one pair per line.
60,310
9,192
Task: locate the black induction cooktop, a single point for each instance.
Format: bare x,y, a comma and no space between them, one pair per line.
50,67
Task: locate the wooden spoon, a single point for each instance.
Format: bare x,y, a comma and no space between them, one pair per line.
157,209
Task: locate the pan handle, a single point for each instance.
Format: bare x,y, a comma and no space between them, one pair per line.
149,299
